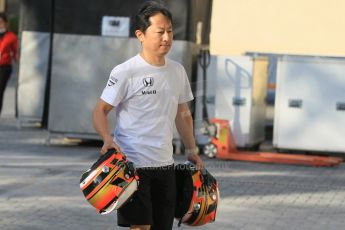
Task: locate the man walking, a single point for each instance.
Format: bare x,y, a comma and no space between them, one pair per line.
149,93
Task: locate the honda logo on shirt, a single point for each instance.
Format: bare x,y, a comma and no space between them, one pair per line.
148,81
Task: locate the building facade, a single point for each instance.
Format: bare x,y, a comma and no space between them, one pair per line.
308,27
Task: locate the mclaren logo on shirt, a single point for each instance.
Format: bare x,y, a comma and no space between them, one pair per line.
148,82
112,81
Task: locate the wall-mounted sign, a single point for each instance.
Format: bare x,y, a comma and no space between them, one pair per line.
115,26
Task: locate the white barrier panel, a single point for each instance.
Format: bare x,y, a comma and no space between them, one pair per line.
33,71
310,104
80,69
236,91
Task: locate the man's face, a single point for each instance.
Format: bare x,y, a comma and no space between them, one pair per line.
158,37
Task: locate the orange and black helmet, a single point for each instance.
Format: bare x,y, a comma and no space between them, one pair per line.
110,182
197,195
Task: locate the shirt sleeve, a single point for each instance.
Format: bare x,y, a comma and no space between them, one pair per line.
186,92
117,87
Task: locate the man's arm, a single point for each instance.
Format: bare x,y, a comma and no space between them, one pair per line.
100,123
184,125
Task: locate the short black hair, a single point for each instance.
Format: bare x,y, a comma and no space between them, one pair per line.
3,16
147,10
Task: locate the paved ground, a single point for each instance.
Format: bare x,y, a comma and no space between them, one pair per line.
39,189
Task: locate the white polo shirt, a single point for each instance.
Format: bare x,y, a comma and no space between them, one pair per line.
146,98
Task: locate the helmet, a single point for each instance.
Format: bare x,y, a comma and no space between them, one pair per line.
110,182
197,195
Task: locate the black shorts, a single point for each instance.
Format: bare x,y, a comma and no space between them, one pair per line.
154,201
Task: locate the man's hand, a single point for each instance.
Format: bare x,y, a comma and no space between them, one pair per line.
196,160
108,143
